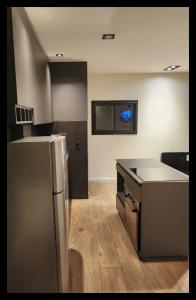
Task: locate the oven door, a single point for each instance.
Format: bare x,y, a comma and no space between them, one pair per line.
131,219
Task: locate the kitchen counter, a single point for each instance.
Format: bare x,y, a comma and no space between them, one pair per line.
153,202
150,170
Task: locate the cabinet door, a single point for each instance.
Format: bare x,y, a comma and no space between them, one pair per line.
131,219
120,208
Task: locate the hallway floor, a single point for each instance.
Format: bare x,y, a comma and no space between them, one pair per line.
102,257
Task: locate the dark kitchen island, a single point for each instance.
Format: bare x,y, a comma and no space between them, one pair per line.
153,202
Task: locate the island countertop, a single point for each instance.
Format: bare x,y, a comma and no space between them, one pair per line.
151,170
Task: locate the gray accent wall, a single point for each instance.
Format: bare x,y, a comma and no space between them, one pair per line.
14,131
32,71
69,90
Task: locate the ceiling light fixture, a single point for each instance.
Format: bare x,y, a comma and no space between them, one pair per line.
108,36
171,68
59,54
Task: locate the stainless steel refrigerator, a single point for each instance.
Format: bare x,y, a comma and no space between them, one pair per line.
37,215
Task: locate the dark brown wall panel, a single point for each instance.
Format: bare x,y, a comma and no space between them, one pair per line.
42,129
76,135
76,139
69,95
69,91
78,172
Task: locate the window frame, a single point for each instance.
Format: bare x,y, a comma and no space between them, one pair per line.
114,103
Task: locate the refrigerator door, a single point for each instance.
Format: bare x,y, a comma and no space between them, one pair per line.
67,205
61,241
58,156
31,244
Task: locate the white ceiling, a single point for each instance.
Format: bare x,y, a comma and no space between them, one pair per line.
148,39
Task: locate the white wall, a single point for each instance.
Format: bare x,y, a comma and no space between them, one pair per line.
162,118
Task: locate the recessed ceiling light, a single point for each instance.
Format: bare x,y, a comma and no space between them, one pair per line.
59,54
108,36
171,68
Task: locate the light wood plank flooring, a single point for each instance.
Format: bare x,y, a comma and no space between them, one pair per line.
102,257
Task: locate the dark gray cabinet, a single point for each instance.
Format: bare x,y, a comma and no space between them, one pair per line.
69,91
153,202
69,94
78,164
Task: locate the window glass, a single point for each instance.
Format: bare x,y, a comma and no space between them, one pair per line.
123,116
104,117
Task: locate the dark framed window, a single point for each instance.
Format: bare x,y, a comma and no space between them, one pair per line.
114,117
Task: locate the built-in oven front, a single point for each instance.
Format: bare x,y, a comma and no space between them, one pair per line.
132,219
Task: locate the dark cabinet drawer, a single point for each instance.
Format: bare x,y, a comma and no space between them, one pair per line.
131,185
120,208
131,221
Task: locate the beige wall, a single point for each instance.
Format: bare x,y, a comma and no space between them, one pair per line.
32,70
162,118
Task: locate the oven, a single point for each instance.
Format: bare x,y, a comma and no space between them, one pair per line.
132,219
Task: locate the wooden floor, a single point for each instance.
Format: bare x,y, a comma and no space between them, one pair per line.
102,257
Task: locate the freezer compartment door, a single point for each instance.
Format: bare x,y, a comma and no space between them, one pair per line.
31,244
61,240
58,165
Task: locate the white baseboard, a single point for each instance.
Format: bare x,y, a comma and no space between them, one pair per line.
103,180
